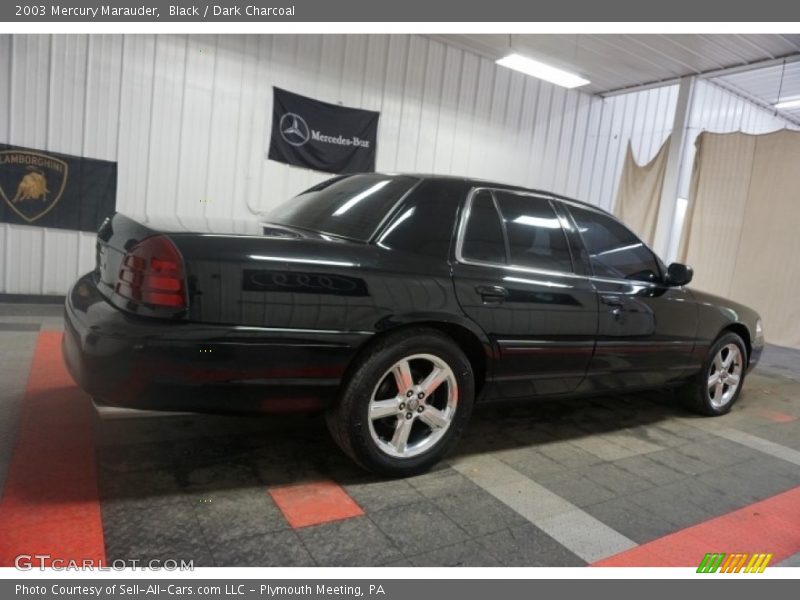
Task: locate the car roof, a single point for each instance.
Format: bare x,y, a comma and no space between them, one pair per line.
477,182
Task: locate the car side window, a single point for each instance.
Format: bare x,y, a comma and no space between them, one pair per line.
424,223
483,236
614,250
535,236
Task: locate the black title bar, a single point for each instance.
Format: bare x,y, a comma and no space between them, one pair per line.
470,11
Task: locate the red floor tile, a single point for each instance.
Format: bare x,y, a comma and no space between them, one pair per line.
314,503
50,503
776,416
769,526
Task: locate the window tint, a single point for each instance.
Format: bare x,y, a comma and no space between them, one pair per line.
614,250
424,224
535,236
350,207
483,238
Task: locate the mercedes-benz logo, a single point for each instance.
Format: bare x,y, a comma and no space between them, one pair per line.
294,129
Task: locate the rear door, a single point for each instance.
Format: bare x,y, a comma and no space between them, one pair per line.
646,328
515,276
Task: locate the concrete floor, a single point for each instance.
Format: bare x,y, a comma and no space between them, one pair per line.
547,484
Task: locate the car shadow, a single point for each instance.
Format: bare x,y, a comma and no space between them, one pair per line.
199,454
159,457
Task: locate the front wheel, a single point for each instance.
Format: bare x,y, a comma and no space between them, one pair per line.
405,403
717,387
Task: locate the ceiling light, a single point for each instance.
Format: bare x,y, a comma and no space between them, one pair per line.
538,69
793,103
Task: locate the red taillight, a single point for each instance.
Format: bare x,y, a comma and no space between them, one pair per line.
152,273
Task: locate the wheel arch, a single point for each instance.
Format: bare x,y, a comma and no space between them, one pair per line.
476,346
743,332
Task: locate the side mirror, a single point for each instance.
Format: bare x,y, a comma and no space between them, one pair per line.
678,274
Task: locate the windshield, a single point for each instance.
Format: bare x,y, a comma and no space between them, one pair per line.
351,206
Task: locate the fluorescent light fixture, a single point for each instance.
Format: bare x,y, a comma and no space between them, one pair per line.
793,103
534,68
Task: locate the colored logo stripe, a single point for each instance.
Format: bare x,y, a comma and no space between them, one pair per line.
710,563
734,563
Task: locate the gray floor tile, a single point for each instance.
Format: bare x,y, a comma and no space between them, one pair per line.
377,495
356,542
419,527
189,548
619,481
684,502
231,514
531,462
441,482
281,549
646,468
11,309
679,461
576,487
528,546
569,455
792,561
476,511
149,533
218,477
155,487
752,481
5,326
631,520
467,554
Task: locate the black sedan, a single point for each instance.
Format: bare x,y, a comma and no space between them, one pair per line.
394,303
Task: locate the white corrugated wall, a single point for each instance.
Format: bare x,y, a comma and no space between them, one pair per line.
187,118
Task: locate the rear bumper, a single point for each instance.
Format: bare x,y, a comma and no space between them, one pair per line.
149,364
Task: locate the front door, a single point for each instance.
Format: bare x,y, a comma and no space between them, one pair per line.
647,329
514,277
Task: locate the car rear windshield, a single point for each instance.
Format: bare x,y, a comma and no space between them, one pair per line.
351,207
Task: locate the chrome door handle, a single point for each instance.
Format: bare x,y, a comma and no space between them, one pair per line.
613,301
492,293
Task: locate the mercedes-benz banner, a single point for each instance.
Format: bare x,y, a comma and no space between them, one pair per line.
322,136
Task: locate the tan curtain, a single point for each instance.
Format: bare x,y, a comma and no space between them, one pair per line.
639,194
742,227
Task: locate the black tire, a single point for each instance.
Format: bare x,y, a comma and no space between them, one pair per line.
348,420
697,394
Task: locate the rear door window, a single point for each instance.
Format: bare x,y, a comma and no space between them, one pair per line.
535,236
483,235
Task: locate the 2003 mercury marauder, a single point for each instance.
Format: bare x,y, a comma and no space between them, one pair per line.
395,302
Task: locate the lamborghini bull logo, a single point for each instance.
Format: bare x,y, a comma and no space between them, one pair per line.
31,183
32,187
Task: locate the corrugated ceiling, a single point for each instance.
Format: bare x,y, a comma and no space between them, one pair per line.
616,62
768,85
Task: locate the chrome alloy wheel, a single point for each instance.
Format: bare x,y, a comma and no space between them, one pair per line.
725,375
413,405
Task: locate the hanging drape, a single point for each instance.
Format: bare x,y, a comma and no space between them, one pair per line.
639,194
742,227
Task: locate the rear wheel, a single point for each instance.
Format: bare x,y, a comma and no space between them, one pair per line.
405,403
718,385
